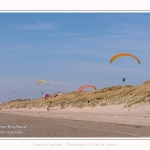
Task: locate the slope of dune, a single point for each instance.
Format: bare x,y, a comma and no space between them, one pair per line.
115,95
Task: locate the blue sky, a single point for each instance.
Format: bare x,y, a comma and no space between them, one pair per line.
70,50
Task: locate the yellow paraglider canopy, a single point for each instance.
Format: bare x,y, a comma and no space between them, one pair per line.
123,54
39,81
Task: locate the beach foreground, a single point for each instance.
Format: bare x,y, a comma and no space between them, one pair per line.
25,126
100,121
106,121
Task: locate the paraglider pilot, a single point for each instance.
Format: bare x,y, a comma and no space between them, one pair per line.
123,79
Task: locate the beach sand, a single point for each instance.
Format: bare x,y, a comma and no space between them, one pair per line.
99,121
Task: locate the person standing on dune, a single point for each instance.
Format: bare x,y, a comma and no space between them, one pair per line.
0,106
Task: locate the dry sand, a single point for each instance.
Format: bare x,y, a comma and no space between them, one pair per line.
99,121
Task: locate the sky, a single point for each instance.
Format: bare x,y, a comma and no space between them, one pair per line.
70,50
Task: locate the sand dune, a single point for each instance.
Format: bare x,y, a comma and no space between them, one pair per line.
118,110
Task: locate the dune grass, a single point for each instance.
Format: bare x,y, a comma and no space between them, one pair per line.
127,95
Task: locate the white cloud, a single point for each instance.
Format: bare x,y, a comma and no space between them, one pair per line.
65,34
9,82
108,68
38,26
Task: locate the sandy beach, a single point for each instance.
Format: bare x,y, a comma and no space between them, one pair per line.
99,121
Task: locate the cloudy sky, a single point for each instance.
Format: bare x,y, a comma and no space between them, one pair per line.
70,50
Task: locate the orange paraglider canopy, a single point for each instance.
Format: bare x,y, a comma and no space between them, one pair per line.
86,86
123,54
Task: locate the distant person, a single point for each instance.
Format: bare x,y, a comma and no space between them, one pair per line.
123,79
47,109
0,106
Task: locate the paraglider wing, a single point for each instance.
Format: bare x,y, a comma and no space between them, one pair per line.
10,91
123,54
39,81
47,96
85,86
